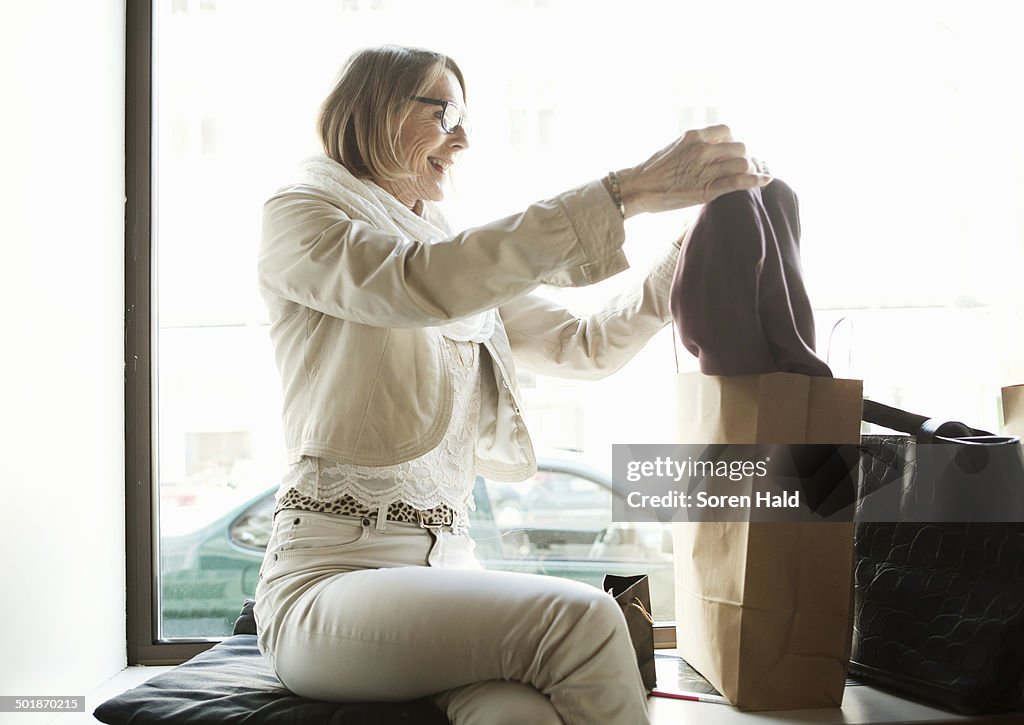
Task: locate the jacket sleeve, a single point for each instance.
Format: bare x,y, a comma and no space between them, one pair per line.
313,254
547,338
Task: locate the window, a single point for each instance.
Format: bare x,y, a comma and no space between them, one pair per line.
901,139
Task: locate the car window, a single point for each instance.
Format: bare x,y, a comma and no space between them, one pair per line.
252,528
553,500
558,523
554,515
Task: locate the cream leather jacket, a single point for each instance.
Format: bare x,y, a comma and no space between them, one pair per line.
352,310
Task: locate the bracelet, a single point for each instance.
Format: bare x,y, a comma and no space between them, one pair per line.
616,192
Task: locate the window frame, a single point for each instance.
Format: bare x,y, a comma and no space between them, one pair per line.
141,563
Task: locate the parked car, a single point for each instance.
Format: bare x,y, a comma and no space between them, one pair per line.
557,523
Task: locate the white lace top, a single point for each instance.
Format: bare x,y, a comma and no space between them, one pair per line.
445,474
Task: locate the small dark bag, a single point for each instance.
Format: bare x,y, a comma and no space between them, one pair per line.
939,589
633,594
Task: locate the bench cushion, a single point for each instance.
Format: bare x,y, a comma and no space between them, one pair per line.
232,683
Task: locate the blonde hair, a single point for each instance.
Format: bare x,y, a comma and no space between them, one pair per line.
360,121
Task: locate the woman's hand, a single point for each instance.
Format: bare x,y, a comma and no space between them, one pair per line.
693,169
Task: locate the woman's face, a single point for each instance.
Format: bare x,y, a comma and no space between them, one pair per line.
427,149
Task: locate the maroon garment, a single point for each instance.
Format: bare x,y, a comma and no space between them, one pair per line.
738,298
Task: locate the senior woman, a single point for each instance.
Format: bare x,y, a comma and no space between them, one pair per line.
397,342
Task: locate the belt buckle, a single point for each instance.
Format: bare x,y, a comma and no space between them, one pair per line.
422,517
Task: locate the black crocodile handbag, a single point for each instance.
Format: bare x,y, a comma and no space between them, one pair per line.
939,596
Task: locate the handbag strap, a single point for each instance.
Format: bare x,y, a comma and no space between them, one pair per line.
927,430
643,610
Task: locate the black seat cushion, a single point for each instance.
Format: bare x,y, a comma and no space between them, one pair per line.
232,683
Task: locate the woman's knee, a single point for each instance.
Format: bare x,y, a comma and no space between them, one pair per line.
498,702
602,612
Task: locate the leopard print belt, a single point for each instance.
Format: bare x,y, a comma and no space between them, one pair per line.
439,516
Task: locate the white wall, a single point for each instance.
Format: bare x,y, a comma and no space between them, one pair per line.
62,599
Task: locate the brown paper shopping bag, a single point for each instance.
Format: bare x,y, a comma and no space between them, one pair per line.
1013,410
764,610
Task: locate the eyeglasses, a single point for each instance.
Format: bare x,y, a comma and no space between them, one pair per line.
451,115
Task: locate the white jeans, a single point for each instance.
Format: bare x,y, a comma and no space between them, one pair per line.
350,609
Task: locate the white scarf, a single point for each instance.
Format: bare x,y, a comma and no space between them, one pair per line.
364,201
